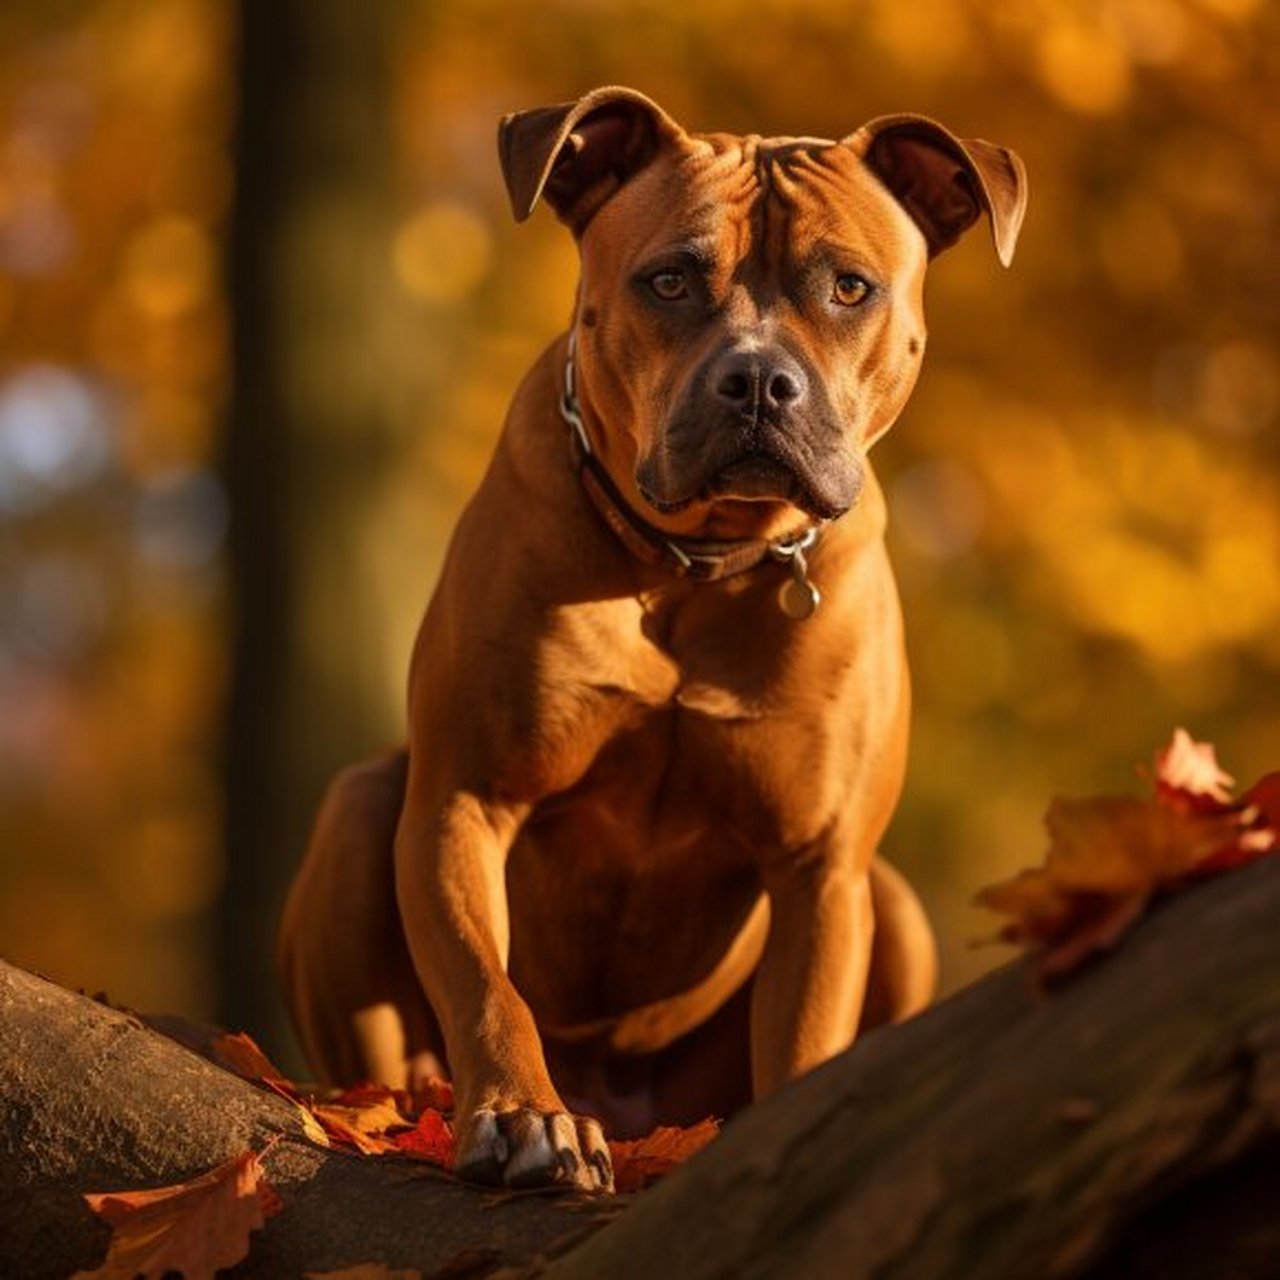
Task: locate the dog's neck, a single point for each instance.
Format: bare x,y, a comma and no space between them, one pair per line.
701,559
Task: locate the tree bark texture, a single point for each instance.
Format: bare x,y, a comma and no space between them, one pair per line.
1126,1123
91,1099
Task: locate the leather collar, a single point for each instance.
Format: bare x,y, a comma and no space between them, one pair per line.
698,558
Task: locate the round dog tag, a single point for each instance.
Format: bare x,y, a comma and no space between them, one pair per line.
798,598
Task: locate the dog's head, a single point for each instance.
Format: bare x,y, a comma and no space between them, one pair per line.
750,314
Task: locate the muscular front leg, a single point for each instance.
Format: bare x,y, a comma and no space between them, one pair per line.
812,978
451,850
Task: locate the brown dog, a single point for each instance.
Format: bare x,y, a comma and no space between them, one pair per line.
658,704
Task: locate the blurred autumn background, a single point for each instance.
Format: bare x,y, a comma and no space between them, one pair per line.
262,306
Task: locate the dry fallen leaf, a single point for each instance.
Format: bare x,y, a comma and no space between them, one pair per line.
370,1094
430,1139
366,1128
195,1228
375,1120
310,1125
240,1054
1109,855
638,1163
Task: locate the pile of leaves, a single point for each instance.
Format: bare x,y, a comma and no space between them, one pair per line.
201,1226
1110,857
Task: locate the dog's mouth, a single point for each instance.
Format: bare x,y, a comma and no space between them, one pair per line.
764,476
757,477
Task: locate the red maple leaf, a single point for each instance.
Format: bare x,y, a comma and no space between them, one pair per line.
636,1164
195,1228
430,1139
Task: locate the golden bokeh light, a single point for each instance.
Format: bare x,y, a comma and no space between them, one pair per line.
442,252
1083,66
1140,248
1238,391
168,267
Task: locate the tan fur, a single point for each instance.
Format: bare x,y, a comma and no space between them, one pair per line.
628,865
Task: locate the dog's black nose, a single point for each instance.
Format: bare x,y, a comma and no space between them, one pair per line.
756,381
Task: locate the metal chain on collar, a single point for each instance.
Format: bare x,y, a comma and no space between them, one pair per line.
570,410
798,598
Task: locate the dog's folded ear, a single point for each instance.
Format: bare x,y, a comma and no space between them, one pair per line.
577,154
946,183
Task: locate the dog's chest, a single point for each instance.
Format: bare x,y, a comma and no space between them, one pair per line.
645,856
705,714
691,711
667,772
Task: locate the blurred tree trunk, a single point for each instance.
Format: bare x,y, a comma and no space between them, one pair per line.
318,335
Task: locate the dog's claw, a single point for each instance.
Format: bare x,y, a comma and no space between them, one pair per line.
527,1148
564,1138
602,1169
593,1146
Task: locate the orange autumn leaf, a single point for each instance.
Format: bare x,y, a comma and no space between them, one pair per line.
310,1125
195,1228
1109,855
240,1054
1108,845
1098,922
365,1127
364,1117
638,1163
360,1118
430,1139
371,1094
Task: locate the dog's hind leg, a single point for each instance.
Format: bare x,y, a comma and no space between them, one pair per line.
349,983
903,977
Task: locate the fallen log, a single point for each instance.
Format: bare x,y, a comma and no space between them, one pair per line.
1012,1134
1126,1123
92,1099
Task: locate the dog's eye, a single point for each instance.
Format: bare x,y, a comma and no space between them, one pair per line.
850,289
669,285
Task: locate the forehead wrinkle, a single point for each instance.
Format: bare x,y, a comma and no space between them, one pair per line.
743,198
840,197
726,186
782,196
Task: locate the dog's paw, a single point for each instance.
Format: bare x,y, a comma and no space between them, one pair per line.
528,1148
